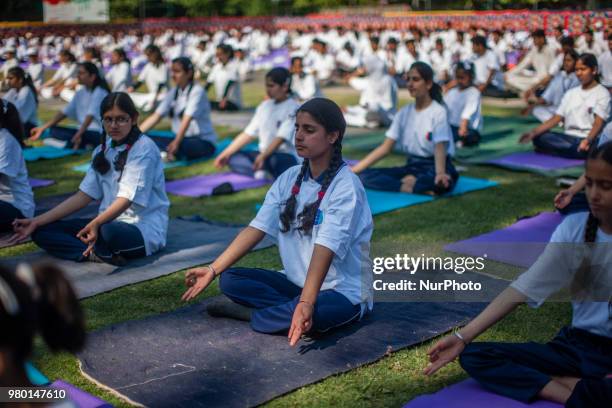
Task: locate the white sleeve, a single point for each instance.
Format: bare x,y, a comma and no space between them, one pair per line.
268,216
136,182
441,132
602,106
397,126
538,283
196,103
70,109
252,128
90,184
564,105
9,157
164,106
341,216
26,105
472,103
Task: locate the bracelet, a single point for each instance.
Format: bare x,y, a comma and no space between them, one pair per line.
210,267
307,302
460,337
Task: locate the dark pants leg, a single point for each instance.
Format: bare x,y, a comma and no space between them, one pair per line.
579,203
424,169
59,239
559,144
90,138
471,139
521,370
591,394
8,213
386,179
229,106
192,148
27,128
494,92
275,298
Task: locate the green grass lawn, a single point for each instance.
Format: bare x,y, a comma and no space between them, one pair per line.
395,379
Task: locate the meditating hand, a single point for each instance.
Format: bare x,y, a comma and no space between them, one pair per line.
443,352
89,236
301,321
197,280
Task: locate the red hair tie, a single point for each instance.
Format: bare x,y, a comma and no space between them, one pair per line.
295,190
321,194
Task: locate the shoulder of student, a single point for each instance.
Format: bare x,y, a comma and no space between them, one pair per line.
571,229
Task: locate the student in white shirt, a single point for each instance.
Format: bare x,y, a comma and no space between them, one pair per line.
319,215
90,54
587,44
545,106
378,99
464,107
539,58
244,65
22,94
605,65
16,198
66,73
441,61
583,110
156,76
304,85
119,77
187,106
36,69
10,61
273,126
421,129
84,109
320,62
226,80
580,353
127,176
486,68
347,60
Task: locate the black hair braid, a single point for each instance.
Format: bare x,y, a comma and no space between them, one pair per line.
100,163
590,233
288,214
308,215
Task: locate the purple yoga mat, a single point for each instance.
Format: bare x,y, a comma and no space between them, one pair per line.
79,397
468,394
203,185
519,244
535,161
34,182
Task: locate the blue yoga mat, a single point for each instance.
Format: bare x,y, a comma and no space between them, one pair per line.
47,152
36,377
384,201
221,145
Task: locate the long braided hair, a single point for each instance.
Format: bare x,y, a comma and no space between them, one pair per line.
328,115
124,103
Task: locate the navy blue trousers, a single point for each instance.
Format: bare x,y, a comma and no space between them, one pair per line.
275,298
424,169
115,238
471,139
521,370
591,394
8,213
191,148
559,144
276,164
89,139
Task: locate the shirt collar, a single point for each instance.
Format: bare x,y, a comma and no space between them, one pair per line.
321,177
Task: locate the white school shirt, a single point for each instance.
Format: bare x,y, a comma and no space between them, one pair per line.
120,76
192,101
417,133
441,62
540,60
220,75
538,284
305,86
142,182
464,104
605,68
37,73
579,107
14,185
343,225
154,75
86,102
8,64
558,86
66,71
25,102
556,66
483,65
272,120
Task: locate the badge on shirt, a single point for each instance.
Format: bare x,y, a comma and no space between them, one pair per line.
428,136
318,217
